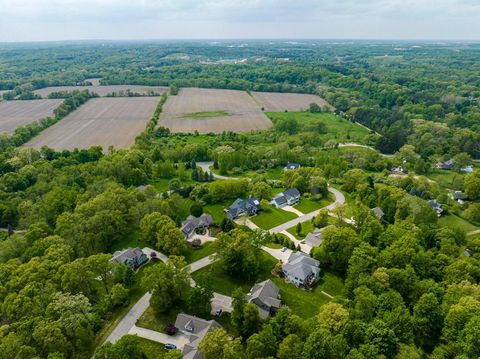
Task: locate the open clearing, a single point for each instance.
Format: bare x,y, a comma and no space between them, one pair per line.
279,102
99,122
20,113
103,90
244,114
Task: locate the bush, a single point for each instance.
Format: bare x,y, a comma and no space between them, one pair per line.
171,329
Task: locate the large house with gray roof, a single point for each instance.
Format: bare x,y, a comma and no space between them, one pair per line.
301,269
195,329
132,257
240,207
194,224
288,197
265,295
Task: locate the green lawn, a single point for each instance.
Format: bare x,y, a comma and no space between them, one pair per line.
273,245
151,349
204,115
306,205
193,255
216,210
131,239
222,283
447,179
272,217
451,220
336,127
307,227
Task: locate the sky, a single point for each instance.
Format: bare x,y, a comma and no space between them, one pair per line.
53,20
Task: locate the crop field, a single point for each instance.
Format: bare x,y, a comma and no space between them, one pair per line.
279,102
103,90
210,110
99,122
19,113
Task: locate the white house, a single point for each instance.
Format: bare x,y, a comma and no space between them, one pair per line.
301,269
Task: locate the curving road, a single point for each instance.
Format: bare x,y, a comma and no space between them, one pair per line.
205,166
339,200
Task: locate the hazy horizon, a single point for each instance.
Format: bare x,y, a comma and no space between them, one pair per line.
117,20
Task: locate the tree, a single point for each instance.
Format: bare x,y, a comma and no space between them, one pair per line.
213,343
196,209
262,344
427,321
169,283
298,228
470,338
314,108
461,160
200,299
322,344
234,349
238,305
321,219
162,231
288,125
251,320
127,347
261,190
382,337
290,348
472,185
333,317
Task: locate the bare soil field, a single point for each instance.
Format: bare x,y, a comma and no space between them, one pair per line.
100,122
14,114
103,90
279,102
182,113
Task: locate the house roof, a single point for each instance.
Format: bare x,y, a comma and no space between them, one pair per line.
267,292
291,192
301,265
292,166
126,254
280,200
434,204
197,328
192,223
378,211
244,205
458,195
314,239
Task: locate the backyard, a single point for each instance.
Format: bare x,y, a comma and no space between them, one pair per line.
271,216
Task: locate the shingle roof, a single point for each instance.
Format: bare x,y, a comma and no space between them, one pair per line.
378,211
314,239
244,206
197,328
292,192
192,223
126,254
292,166
301,265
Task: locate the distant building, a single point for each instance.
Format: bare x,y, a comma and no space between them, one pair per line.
194,224
399,170
314,239
301,269
240,207
458,196
467,169
265,295
467,252
447,165
289,197
132,257
195,329
436,206
378,212
292,166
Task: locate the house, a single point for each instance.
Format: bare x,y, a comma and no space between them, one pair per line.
458,196
265,295
399,170
447,165
193,224
301,269
132,257
194,329
289,197
249,206
467,253
436,206
314,239
378,212
467,169
291,166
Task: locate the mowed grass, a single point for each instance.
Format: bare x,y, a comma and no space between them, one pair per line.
447,179
307,227
217,210
271,217
222,283
336,127
454,221
207,114
307,205
307,304
194,254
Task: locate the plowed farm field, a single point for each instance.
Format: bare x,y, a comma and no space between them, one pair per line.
211,110
103,91
14,114
279,102
99,122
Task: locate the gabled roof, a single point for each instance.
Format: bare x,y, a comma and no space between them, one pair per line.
244,205
291,192
192,223
126,254
301,265
292,166
280,200
434,204
378,211
458,195
314,239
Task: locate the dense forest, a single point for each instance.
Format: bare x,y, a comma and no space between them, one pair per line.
410,280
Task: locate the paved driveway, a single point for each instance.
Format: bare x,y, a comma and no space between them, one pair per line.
178,339
277,253
205,166
222,302
160,255
201,263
